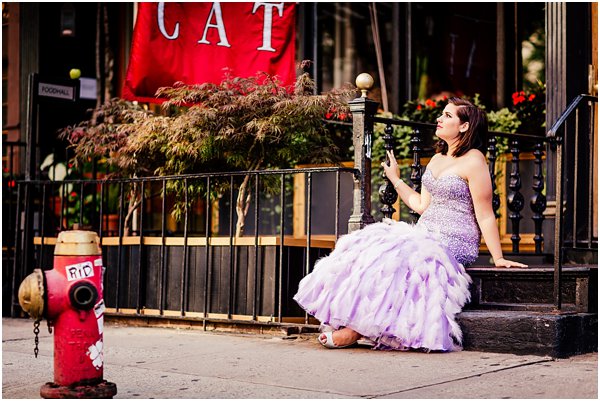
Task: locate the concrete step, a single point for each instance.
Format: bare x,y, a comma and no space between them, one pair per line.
559,335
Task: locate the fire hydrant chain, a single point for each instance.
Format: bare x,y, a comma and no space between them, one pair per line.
36,331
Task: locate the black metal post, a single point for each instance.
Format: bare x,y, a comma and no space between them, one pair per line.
279,280
256,269
141,275
207,275
558,227
163,250
14,307
184,267
308,230
120,247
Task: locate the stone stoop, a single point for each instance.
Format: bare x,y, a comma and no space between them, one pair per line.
512,310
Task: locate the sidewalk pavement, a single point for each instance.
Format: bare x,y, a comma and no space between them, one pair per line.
177,363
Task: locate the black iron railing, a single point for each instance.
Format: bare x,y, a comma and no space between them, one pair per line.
146,247
422,133
571,136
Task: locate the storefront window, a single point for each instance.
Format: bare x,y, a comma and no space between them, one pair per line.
347,44
533,44
431,50
454,50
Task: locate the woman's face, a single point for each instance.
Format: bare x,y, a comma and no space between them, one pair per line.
449,125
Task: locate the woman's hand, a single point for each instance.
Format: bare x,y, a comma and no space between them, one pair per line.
501,262
392,171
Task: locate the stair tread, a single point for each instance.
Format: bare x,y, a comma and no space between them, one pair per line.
508,313
543,268
521,306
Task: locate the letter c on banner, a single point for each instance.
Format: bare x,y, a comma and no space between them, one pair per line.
161,23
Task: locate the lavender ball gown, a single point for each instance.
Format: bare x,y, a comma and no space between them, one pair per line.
397,284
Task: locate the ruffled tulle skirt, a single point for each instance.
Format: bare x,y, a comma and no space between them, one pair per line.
392,282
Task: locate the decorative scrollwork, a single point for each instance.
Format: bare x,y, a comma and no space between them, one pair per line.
516,202
387,193
538,199
415,175
492,156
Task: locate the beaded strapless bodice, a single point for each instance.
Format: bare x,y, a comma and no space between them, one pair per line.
451,216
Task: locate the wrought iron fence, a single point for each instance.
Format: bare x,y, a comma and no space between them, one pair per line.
197,266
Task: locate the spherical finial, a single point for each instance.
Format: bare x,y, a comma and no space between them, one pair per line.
364,82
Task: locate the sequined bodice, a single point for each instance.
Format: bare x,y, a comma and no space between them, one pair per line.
451,216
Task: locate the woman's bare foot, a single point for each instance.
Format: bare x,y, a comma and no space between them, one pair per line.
343,337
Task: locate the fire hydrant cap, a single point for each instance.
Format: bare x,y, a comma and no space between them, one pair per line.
77,243
31,294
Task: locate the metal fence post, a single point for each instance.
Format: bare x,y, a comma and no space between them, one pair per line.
363,111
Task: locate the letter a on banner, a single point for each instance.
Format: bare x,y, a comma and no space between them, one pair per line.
194,43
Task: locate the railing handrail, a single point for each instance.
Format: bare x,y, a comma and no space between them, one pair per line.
408,123
196,175
567,113
418,124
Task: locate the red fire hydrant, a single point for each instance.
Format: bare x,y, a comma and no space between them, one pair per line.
75,308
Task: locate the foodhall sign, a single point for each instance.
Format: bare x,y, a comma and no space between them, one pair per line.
57,91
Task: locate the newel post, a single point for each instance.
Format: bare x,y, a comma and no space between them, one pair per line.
363,110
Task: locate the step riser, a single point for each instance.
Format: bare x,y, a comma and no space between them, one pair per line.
558,336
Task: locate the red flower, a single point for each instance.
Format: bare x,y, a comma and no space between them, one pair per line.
531,97
429,103
342,116
518,97
328,115
73,194
419,107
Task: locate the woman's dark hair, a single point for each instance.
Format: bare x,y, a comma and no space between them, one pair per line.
475,137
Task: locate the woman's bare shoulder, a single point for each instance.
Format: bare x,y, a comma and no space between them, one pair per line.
435,157
474,163
475,157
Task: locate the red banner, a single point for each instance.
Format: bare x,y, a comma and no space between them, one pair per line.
195,42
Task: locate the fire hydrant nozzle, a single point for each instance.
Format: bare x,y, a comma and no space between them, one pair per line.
31,294
83,296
